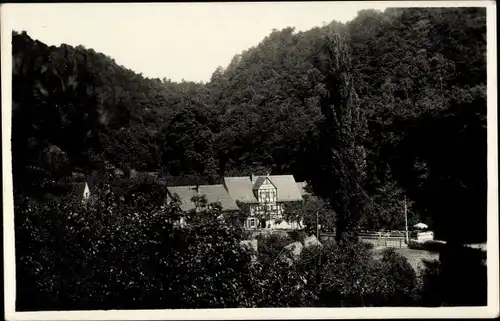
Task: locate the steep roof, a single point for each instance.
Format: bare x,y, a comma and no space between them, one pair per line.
286,187
240,189
213,193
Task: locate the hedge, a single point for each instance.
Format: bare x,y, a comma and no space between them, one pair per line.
432,246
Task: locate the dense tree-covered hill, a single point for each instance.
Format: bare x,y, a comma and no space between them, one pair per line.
419,77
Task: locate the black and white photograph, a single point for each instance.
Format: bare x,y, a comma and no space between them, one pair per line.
249,160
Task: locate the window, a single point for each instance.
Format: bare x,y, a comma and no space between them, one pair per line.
262,196
267,196
252,222
272,195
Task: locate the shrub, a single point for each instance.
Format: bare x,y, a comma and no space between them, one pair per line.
210,269
348,275
246,235
270,247
279,284
297,236
401,283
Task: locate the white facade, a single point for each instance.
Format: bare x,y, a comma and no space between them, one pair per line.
254,222
86,192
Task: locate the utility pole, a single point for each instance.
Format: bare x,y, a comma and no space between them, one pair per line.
317,225
319,254
406,220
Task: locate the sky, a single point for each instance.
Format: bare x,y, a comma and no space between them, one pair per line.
172,40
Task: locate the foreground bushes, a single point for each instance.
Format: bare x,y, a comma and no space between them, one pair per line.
271,246
112,255
348,276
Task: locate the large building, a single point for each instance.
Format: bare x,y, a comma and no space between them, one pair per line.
264,195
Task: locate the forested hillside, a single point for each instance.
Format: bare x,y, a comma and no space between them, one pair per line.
385,108
419,79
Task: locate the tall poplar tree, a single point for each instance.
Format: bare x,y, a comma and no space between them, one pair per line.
339,161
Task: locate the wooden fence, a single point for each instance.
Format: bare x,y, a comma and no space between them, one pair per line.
394,239
390,241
